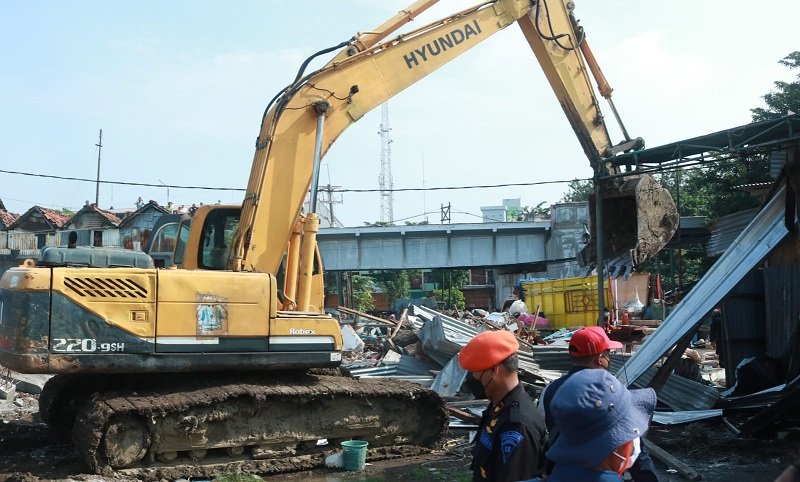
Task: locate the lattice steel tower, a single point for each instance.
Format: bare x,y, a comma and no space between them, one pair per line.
385,182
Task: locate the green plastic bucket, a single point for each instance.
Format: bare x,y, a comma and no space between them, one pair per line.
354,455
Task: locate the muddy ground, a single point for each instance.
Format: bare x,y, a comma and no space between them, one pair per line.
30,452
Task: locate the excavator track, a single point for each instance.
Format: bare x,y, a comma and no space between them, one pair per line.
257,420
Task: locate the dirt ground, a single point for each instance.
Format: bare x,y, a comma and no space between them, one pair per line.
30,452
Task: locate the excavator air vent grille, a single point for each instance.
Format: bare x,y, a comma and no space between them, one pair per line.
106,287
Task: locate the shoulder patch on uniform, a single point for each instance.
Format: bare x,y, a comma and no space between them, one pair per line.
508,443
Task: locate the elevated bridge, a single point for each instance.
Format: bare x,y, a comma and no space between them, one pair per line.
494,245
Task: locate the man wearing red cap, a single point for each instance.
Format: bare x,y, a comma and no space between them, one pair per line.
590,348
511,437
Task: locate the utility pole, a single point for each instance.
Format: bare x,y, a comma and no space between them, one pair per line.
446,213
385,182
97,186
162,183
330,201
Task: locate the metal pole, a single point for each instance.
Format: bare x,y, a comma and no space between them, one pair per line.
162,183
321,107
97,185
598,229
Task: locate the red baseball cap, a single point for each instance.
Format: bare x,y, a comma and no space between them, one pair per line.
591,340
487,349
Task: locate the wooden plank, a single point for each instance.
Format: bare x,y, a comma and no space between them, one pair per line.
366,316
463,415
403,318
672,461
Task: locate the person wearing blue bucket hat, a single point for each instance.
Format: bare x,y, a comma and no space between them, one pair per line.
589,349
600,427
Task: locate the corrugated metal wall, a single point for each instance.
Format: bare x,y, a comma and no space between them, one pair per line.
782,292
26,242
88,220
744,322
111,237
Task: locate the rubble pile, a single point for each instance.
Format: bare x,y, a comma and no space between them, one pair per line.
422,346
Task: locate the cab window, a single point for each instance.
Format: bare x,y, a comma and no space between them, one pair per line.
217,238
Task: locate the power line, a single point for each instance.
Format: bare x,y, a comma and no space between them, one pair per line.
209,188
121,183
695,165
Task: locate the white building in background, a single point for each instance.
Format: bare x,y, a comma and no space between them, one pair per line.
499,214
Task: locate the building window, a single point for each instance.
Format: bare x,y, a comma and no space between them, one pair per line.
98,239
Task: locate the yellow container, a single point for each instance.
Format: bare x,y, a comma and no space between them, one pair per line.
567,303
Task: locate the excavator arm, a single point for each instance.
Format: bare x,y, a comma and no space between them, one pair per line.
310,114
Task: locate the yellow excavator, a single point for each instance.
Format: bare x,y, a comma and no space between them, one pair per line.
219,357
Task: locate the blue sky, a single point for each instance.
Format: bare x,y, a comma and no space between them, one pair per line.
179,88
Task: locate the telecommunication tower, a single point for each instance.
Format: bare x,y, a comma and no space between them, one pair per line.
385,182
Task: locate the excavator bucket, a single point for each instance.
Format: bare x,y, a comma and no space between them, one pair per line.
639,219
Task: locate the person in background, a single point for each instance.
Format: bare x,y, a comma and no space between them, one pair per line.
600,427
715,328
72,239
511,437
590,348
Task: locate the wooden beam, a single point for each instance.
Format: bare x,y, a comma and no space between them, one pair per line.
463,415
671,461
366,316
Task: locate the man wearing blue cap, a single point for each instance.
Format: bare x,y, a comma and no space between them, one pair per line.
600,426
511,436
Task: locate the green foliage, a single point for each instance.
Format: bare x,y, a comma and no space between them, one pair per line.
67,212
446,278
396,285
577,191
529,213
513,214
785,97
363,286
378,224
453,298
714,189
412,223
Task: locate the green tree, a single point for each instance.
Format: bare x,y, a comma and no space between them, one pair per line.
578,190
453,298
529,213
715,188
786,96
363,286
396,285
378,224
447,278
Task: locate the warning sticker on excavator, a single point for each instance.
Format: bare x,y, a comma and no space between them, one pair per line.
212,315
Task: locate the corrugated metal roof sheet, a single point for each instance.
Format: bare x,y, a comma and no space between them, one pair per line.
725,229
678,393
755,242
